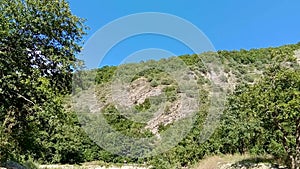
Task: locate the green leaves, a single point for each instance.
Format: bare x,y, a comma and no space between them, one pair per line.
266,113
38,44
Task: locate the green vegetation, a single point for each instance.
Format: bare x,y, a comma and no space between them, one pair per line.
38,44
271,110
37,50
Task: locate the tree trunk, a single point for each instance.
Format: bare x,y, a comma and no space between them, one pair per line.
297,160
291,162
297,156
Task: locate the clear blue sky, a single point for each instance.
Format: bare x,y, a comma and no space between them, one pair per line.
229,24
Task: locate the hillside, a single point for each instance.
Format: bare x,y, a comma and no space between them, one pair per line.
223,109
138,85
170,113
193,90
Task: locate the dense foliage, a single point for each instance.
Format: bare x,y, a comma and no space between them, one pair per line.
271,110
38,44
245,126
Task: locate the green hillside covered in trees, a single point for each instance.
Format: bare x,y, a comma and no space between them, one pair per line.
38,122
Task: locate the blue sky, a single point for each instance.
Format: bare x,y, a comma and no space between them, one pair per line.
229,24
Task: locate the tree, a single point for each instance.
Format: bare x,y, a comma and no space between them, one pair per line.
38,43
277,101
267,115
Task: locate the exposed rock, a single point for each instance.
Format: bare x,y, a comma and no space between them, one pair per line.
135,93
13,165
178,109
140,89
87,101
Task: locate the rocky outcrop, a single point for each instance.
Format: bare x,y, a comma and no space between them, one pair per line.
134,93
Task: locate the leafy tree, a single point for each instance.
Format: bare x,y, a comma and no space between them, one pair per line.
38,43
266,116
240,129
277,101
105,74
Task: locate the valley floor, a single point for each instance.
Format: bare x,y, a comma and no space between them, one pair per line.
213,162
237,162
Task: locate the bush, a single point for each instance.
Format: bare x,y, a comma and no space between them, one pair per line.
154,83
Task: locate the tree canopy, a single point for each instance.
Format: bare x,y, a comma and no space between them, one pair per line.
38,44
266,116
39,40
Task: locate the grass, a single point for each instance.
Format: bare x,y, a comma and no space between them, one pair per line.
215,162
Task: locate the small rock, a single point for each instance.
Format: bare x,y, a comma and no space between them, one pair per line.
13,165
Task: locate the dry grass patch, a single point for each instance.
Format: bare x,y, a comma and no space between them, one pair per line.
216,162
